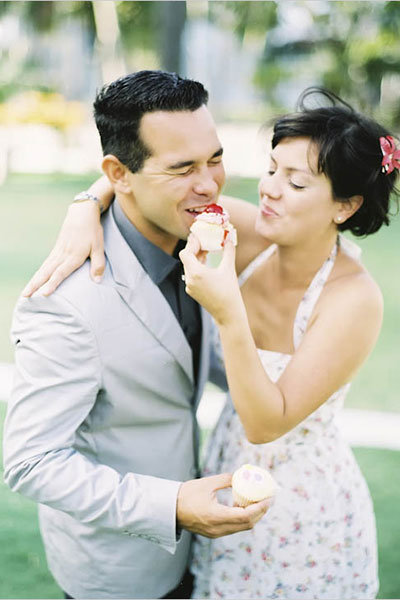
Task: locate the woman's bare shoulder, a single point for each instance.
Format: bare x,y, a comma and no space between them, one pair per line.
353,288
250,243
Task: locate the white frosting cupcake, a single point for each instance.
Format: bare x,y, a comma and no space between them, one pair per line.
212,228
252,484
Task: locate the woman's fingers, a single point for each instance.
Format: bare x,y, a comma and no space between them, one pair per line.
192,252
193,243
97,259
188,254
40,277
58,275
229,255
81,236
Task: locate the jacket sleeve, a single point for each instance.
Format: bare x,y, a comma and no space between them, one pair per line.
58,377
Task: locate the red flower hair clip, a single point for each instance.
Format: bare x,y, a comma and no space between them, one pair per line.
391,156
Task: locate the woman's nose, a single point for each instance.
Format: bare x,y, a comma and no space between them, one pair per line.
270,186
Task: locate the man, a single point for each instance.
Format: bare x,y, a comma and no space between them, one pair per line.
101,425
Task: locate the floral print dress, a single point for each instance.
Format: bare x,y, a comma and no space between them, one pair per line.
318,540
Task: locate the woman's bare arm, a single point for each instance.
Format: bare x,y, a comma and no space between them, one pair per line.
80,237
338,341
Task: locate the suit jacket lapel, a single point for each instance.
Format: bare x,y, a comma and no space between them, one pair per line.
144,297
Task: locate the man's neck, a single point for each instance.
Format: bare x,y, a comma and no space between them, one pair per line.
155,235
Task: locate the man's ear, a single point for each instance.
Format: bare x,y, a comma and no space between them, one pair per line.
117,173
347,209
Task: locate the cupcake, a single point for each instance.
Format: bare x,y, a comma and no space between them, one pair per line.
212,228
252,484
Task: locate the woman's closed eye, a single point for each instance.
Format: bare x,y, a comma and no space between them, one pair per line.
296,186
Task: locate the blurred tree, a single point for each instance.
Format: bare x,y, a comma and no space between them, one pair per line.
252,22
364,42
108,40
22,59
118,33
173,17
352,48
246,17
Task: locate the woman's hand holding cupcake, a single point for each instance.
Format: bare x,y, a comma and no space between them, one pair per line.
216,289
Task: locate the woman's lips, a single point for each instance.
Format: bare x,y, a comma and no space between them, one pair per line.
267,211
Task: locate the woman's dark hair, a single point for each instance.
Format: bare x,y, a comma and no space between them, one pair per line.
120,106
349,155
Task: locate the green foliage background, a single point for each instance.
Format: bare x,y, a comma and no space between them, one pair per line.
351,47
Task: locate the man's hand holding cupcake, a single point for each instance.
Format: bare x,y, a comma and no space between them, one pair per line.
199,511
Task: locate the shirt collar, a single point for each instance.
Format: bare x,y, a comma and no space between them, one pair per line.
157,263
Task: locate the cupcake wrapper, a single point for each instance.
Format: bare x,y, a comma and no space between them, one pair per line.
241,500
244,501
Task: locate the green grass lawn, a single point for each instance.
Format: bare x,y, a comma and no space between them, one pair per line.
24,573
33,206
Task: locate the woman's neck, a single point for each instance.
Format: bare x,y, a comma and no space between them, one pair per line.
297,265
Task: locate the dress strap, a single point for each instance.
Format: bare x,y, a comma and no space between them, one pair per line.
255,263
311,296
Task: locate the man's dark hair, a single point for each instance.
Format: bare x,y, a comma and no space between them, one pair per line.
119,107
349,155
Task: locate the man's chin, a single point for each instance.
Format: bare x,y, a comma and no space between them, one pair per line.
184,234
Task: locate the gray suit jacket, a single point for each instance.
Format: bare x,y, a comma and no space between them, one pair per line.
101,427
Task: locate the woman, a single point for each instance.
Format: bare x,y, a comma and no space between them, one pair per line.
305,319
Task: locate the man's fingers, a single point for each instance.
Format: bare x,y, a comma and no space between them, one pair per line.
221,481
230,519
199,510
251,513
256,511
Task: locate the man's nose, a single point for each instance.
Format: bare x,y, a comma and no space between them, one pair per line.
206,184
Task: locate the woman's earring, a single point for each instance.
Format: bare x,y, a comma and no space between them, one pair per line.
338,220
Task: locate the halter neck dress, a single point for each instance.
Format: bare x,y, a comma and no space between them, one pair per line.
318,540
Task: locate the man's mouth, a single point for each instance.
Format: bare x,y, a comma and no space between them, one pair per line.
196,211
